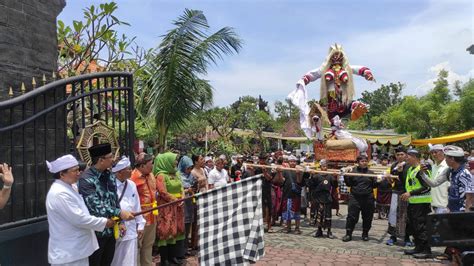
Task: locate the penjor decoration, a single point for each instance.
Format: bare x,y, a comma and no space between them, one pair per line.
336,93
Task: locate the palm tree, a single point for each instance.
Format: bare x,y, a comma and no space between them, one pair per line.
174,91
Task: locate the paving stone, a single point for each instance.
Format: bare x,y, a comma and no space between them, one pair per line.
290,249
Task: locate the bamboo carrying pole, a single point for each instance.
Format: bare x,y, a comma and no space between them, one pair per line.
319,171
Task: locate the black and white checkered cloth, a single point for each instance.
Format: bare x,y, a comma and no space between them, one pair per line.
231,224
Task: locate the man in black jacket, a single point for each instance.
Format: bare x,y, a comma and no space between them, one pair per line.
320,187
398,213
361,199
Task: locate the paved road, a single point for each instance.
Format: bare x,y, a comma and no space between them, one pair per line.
290,249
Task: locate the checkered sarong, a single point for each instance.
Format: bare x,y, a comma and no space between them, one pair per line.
343,189
231,224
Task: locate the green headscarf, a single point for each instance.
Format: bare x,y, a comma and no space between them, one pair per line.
165,164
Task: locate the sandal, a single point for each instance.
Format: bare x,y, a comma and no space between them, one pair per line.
297,231
442,257
270,231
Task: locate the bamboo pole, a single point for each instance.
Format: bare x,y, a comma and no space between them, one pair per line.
318,171
378,171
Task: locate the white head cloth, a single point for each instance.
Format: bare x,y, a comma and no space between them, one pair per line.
292,158
62,163
207,158
453,151
436,147
122,164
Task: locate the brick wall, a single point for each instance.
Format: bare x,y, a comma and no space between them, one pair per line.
28,41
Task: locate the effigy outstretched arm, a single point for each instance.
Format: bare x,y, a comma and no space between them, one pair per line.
311,76
363,71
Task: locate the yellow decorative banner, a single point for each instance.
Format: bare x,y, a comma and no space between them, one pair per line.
444,139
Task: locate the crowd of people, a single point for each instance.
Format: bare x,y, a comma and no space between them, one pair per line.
107,214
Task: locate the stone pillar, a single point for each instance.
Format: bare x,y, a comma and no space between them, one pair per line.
28,42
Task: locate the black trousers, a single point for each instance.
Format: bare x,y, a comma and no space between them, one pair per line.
360,204
105,254
417,216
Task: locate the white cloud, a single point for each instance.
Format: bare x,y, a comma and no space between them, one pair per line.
273,82
452,76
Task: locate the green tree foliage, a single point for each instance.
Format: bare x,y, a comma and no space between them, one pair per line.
466,102
223,120
434,114
174,92
259,122
95,42
380,100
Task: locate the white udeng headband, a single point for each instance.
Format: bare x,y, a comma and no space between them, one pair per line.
62,163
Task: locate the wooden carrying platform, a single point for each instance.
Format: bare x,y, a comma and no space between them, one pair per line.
336,150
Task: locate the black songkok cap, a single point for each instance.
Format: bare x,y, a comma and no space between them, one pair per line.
400,149
100,150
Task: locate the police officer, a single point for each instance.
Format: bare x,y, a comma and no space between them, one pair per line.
361,199
419,205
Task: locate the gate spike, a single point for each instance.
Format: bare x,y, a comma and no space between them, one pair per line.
23,88
10,92
33,82
54,75
44,79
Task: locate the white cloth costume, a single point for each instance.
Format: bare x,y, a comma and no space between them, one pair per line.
344,134
126,247
71,227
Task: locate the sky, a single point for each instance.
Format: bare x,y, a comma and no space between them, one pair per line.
400,41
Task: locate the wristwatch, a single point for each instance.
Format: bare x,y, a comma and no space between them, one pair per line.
6,186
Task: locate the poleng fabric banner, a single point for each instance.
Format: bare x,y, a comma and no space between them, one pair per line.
230,224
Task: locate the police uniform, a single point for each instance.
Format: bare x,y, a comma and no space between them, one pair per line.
419,205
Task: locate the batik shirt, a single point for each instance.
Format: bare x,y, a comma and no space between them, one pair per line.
100,195
461,183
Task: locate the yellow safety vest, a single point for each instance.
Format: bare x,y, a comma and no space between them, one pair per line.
412,183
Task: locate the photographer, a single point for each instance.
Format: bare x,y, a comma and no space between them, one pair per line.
7,178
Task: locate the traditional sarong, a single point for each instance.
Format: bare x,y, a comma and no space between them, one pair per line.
401,223
276,202
323,215
291,209
126,253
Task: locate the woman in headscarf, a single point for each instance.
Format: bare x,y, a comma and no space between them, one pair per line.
170,227
185,166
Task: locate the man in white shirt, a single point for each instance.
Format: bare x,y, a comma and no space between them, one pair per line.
439,194
126,247
218,177
71,227
208,164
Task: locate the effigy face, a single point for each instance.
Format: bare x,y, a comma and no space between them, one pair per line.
337,58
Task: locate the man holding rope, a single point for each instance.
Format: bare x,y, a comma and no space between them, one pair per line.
97,186
144,179
71,227
126,247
